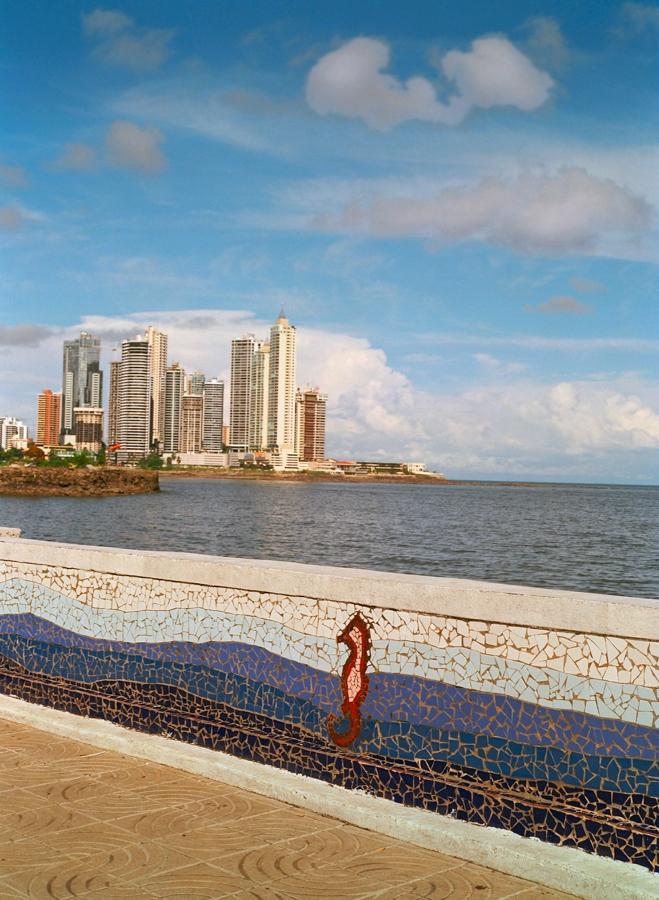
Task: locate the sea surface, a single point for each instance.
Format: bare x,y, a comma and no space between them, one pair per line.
586,537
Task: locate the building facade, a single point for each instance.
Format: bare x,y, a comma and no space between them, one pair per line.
213,415
260,390
113,403
89,428
192,420
82,380
194,383
242,357
174,388
281,385
310,409
157,341
49,418
134,400
13,433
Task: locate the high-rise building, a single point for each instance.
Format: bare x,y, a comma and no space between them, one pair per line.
13,432
260,387
226,435
213,414
157,341
82,379
89,428
242,355
174,386
194,383
134,406
281,398
192,420
113,403
310,408
49,418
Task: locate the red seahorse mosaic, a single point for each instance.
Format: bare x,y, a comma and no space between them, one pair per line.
354,680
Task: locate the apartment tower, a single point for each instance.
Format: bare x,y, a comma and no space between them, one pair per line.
157,341
242,357
174,386
49,418
89,428
281,385
260,390
192,419
310,408
213,415
113,403
134,400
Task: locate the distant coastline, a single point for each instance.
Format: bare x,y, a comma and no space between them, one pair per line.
318,476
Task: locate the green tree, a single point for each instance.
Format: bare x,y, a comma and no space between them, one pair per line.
152,461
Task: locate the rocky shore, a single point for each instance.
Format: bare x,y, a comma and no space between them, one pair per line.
97,481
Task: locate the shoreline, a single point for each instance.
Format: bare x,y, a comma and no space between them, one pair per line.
97,481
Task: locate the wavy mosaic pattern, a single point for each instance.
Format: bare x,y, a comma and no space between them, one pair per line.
489,723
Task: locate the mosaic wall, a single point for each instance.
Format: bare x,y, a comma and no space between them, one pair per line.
550,734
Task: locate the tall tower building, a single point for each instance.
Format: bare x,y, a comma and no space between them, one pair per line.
260,388
310,409
195,383
157,341
174,386
89,428
82,379
113,403
242,355
49,417
134,401
192,418
281,399
213,414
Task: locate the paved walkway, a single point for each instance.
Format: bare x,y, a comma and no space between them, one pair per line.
76,821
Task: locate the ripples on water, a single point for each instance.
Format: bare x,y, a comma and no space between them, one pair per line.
593,538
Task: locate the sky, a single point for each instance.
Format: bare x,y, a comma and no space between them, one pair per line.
456,205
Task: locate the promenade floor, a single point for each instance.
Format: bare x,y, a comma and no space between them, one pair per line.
76,821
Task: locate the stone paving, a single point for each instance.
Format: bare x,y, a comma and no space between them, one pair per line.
76,821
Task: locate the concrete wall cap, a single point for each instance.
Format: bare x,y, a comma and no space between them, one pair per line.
562,610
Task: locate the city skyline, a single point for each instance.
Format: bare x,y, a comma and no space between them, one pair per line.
470,260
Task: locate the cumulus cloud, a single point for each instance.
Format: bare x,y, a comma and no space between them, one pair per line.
23,335
118,41
564,212
545,41
76,157
557,306
13,176
352,81
586,285
577,428
11,218
131,147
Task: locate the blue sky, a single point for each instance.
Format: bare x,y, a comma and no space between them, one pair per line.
457,207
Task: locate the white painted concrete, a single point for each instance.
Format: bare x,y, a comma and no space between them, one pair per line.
479,600
561,868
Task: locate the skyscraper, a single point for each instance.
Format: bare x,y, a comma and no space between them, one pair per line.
157,341
213,414
192,416
281,398
310,406
113,403
242,355
49,418
174,385
260,386
82,379
134,400
195,383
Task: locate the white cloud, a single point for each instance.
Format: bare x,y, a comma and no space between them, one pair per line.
569,211
494,364
11,218
132,147
76,157
120,42
352,81
638,19
545,41
562,305
605,428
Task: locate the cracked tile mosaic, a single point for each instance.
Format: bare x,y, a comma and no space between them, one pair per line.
550,734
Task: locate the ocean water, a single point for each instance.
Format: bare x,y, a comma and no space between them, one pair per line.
585,537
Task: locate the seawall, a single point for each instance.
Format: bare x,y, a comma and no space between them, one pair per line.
95,481
533,712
